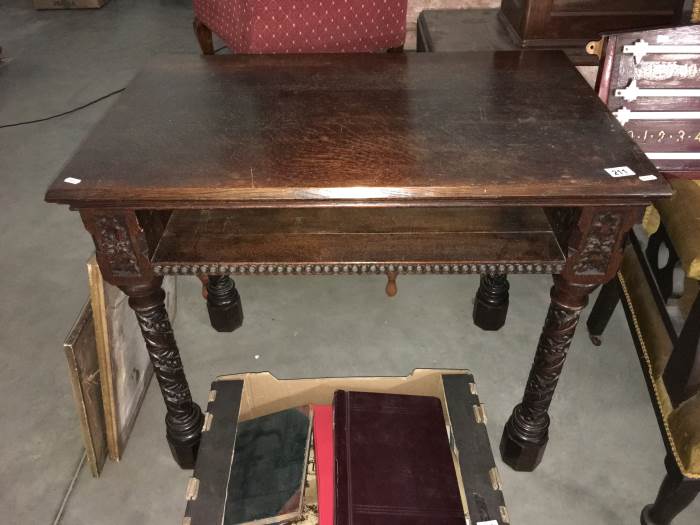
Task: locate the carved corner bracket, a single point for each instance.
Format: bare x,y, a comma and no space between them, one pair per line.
594,240
120,245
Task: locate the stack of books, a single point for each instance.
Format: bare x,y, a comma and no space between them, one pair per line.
367,459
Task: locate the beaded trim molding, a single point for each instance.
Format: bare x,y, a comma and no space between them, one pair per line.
353,269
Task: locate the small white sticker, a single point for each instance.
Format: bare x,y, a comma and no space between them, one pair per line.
72,180
646,178
620,171
492,522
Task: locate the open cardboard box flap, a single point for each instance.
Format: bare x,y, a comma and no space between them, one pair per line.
264,394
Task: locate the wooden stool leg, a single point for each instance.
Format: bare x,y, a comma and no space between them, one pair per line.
526,432
491,302
602,311
183,421
204,37
223,304
675,494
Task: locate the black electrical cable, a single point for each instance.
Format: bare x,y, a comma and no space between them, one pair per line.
15,124
64,113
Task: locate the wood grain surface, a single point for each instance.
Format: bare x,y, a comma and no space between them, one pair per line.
231,131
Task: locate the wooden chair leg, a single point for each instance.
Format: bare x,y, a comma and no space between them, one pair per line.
675,494
204,37
665,264
602,311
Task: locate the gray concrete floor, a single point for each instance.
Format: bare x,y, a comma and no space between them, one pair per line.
605,457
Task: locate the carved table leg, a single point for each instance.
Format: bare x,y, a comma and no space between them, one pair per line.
223,304
183,420
526,432
491,302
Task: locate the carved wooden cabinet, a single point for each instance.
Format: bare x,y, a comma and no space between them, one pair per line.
572,22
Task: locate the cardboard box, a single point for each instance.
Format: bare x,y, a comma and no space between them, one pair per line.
240,397
69,4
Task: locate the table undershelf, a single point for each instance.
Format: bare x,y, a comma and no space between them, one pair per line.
358,240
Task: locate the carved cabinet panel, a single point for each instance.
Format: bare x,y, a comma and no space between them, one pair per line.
573,22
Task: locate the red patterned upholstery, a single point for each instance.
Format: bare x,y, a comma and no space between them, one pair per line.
305,26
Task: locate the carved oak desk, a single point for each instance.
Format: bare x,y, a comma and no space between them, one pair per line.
455,163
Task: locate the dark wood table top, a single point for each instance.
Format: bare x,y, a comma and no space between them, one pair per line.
504,127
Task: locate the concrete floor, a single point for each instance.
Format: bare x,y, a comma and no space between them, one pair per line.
605,457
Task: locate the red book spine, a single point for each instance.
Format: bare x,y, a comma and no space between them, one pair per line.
325,462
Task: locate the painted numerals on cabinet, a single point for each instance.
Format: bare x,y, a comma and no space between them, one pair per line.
661,136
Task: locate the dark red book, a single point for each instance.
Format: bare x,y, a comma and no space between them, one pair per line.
393,461
325,471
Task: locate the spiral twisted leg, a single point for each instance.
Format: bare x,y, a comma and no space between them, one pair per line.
183,420
526,432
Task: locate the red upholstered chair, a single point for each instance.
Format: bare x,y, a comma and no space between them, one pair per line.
301,26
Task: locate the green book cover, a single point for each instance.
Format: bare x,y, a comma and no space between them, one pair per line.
268,471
